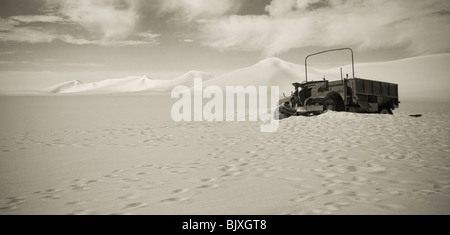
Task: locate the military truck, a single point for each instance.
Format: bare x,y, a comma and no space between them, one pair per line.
345,95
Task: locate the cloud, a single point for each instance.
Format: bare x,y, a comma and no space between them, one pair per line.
291,7
12,31
48,63
27,34
37,18
112,19
419,26
7,24
6,53
17,29
146,38
109,23
105,22
191,10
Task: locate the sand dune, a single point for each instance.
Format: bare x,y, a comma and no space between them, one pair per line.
129,84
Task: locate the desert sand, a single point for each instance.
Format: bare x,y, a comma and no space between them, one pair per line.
123,154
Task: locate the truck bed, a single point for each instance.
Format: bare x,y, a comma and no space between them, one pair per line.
371,95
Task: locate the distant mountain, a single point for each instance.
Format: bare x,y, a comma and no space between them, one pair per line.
268,72
421,78
129,84
186,79
60,88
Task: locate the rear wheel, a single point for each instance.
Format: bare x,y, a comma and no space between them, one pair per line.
386,111
333,102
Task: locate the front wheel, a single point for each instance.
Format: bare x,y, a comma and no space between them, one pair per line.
279,116
284,112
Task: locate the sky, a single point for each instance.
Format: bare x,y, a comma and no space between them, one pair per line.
164,38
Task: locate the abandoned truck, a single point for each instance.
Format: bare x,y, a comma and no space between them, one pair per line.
346,95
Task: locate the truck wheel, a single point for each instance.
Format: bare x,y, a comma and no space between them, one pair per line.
333,102
277,115
386,111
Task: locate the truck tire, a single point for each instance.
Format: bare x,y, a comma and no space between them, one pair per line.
333,102
279,116
386,111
